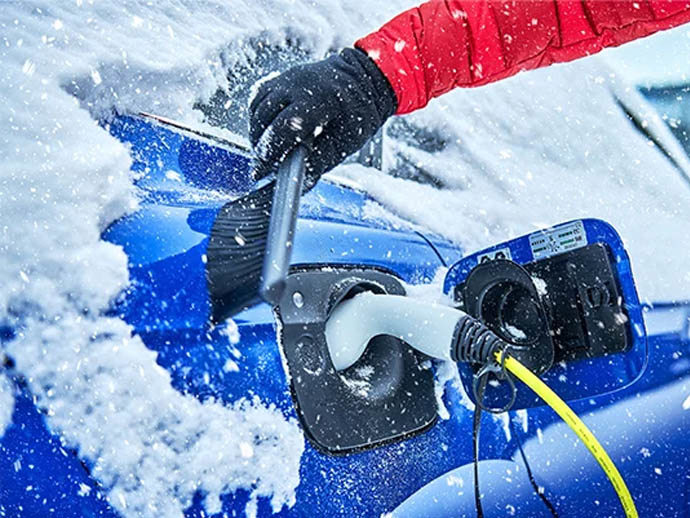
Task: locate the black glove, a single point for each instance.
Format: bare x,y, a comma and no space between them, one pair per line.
332,107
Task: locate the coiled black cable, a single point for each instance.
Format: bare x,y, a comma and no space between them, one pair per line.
475,343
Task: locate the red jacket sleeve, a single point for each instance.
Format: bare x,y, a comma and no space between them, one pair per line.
443,44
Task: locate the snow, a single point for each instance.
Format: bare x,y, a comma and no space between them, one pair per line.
524,419
530,152
516,333
6,403
359,387
686,403
151,447
648,62
446,376
504,420
540,285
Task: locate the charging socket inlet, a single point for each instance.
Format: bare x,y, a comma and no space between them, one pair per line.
388,395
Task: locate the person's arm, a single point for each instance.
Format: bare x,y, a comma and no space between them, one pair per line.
442,44
335,105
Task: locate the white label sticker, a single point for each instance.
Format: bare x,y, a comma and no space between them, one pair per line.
501,253
558,240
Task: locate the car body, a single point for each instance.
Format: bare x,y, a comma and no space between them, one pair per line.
428,474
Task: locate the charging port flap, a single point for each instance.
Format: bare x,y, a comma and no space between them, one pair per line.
564,298
387,395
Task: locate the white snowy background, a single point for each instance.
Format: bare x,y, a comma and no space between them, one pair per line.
535,150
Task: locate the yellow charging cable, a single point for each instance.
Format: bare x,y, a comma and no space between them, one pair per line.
575,423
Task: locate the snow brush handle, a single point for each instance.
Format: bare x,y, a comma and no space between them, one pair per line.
281,230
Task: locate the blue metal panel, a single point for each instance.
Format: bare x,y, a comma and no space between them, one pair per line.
170,160
506,491
643,425
38,476
643,429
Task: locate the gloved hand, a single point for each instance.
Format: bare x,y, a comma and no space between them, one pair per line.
332,107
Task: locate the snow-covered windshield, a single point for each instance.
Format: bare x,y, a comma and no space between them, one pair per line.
502,160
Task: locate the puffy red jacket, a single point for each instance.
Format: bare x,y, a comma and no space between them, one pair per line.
443,44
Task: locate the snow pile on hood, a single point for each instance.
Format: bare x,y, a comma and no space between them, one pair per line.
63,179
535,150
149,446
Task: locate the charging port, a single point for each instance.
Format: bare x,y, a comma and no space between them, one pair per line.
386,395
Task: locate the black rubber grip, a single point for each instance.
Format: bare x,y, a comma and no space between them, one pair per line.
473,342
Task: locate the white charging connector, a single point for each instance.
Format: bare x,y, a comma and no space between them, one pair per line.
428,328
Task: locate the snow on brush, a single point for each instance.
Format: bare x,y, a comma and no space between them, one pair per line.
64,179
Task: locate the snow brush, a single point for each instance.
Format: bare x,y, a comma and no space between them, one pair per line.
249,251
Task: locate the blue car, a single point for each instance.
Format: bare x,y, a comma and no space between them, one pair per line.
393,434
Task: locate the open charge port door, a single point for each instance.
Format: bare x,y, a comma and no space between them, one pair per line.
583,299
386,396
561,308
565,300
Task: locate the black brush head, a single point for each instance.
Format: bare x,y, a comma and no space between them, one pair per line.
235,253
